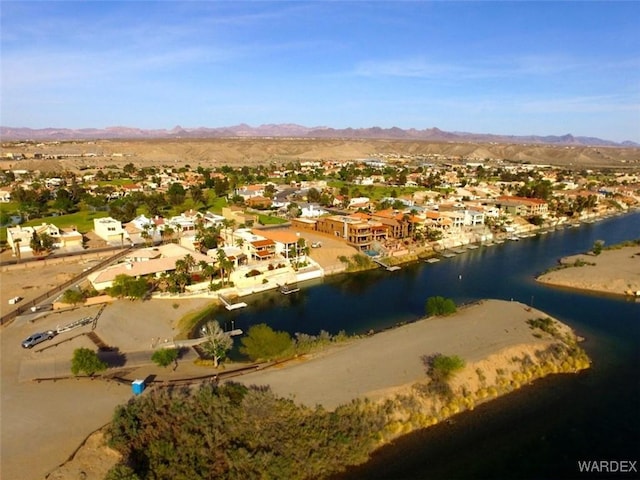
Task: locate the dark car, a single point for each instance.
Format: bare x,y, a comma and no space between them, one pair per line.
37,338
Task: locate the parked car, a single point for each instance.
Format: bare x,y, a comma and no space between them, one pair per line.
37,338
316,244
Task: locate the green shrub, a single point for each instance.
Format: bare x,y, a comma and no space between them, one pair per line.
165,356
87,361
263,343
440,306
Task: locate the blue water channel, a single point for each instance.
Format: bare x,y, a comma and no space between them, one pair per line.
541,431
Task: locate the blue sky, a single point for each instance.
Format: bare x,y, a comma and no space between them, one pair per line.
544,68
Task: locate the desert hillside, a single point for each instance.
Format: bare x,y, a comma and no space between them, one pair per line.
255,151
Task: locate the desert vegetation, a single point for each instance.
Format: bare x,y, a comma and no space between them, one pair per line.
86,361
237,432
440,306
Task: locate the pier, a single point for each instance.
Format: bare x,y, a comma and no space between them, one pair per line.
230,305
385,266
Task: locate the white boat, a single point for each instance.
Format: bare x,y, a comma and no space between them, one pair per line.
288,289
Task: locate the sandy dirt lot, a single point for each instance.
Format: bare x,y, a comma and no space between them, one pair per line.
615,271
51,418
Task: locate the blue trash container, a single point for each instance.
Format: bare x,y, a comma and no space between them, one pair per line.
137,386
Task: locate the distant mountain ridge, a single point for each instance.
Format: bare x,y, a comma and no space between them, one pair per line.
297,131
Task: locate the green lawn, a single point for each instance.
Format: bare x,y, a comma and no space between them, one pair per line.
82,220
270,220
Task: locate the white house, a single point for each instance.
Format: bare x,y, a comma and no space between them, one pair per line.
110,230
5,196
19,237
311,210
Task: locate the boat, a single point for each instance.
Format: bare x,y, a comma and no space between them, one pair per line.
288,289
432,260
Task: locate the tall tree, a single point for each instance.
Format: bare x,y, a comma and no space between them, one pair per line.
218,342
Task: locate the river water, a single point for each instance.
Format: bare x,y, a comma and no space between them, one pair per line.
541,431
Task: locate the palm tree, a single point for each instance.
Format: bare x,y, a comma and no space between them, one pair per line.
225,265
190,262
167,233
206,269
228,268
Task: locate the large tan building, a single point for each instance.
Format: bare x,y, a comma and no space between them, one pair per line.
355,230
523,206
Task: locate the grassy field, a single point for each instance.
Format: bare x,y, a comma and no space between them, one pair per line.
270,220
82,220
374,192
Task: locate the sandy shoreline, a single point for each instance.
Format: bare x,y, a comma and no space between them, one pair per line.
615,271
487,335
371,366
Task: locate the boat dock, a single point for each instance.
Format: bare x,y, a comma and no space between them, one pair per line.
229,305
384,265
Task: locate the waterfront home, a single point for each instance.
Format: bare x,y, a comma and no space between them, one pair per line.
287,244
522,206
152,261
356,230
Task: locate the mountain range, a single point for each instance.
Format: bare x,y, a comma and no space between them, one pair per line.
297,131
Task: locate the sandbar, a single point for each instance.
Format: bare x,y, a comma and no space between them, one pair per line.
614,271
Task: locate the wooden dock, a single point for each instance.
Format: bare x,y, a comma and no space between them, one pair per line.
385,266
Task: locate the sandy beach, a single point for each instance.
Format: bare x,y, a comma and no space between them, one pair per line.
375,366
615,271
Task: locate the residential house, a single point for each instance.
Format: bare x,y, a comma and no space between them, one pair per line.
434,219
5,196
304,224
456,218
356,231
311,210
110,230
359,202
258,202
522,206
398,224
19,237
153,261
286,243
250,191
255,246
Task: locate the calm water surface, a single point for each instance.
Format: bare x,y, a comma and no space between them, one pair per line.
542,430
